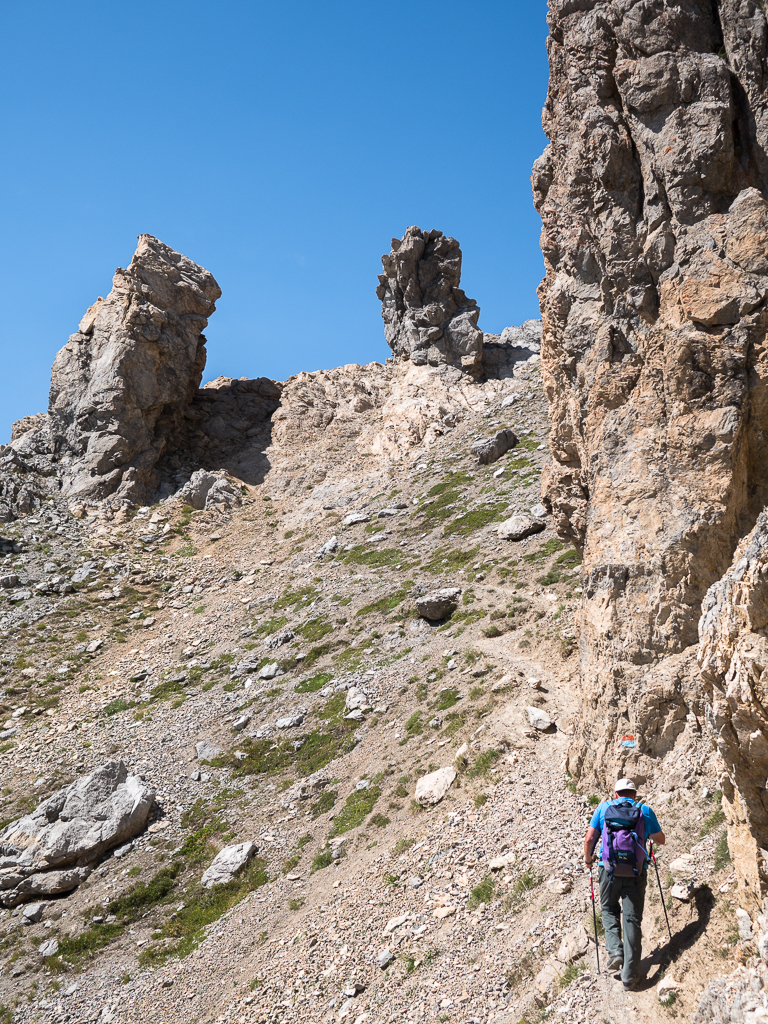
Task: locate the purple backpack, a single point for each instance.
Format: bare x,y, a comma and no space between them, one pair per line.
623,839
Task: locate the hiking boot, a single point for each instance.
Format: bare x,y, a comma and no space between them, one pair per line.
631,986
616,963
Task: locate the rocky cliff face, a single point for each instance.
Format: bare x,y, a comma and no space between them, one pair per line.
121,384
427,317
654,234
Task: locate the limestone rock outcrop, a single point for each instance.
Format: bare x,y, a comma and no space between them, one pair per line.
121,384
427,317
733,655
654,356
53,849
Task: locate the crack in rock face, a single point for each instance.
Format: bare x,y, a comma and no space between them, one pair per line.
427,317
655,222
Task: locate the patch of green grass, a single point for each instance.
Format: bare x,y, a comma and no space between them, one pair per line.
334,707
482,892
481,799
476,519
712,821
414,726
304,595
722,853
146,895
315,629
483,763
570,974
454,721
324,803
76,948
569,558
295,904
271,625
290,863
186,928
321,860
446,699
197,847
117,705
550,547
526,882
450,560
264,757
376,557
357,806
317,682
379,820
387,604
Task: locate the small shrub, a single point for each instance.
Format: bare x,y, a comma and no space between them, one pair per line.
357,806
526,882
722,853
324,802
295,904
323,859
380,820
483,892
483,763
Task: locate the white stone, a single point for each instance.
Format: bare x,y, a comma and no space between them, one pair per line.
207,751
227,863
539,719
430,789
574,944
666,988
520,527
502,862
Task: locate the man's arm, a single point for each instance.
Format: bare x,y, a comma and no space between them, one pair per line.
590,841
657,838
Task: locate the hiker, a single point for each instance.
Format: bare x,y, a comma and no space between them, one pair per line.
623,827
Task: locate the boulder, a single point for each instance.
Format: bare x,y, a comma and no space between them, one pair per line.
328,548
227,863
490,449
207,751
206,490
356,699
430,789
539,719
519,527
122,384
502,862
547,981
427,317
53,849
438,604
574,944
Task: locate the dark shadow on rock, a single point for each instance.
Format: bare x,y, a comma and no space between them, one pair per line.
229,428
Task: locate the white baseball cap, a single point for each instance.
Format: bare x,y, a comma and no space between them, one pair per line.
625,786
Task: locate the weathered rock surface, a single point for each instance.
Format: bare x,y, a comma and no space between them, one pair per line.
54,848
205,490
122,383
226,864
733,655
519,527
655,364
439,603
490,449
427,317
430,789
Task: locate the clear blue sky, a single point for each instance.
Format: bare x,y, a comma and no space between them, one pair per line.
280,145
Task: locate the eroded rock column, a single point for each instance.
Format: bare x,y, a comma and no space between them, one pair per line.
121,384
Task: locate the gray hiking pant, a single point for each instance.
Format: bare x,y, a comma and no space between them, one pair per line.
624,899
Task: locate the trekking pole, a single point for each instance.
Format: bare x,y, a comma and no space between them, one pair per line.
661,892
594,917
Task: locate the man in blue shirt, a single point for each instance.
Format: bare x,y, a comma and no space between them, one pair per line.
624,897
